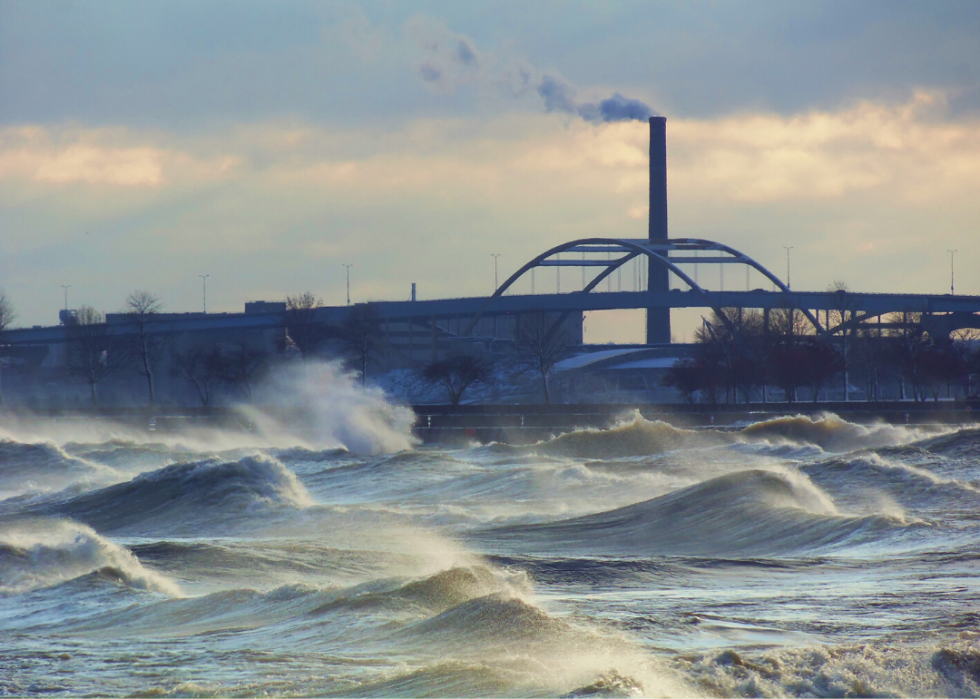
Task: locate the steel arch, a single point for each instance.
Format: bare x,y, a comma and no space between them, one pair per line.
630,248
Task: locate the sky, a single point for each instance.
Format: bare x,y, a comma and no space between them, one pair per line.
267,144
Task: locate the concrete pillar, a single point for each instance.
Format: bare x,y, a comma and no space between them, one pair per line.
658,319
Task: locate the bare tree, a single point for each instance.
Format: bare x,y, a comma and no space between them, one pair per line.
456,374
686,376
90,349
303,330
241,365
789,326
144,340
7,316
201,367
841,315
539,346
361,333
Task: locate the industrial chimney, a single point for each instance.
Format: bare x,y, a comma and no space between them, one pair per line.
658,319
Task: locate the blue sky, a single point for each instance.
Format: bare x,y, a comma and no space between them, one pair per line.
142,144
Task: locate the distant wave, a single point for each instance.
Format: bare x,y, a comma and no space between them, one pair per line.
632,436
39,553
44,465
964,443
855,475
829,432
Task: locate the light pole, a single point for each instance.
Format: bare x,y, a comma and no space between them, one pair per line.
348,281
952,254
204,291
66,287
495,255
788,283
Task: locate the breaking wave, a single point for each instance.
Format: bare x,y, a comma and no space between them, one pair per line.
41,553
964,443
747,513
632,436
184,494
870,670
912,486
44,465
829,432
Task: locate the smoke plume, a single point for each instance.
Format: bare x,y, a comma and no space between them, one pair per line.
560,97
449,61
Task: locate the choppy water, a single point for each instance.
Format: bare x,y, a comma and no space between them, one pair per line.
792,557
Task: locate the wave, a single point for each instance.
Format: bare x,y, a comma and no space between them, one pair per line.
42,553
875,670
184,495
909,485
303,606
304,455
748,513
828,431
493,619
435,593
964,443
44,465
633,435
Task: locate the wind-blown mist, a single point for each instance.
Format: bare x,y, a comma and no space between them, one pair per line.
324,406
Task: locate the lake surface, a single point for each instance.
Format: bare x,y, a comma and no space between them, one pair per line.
793,557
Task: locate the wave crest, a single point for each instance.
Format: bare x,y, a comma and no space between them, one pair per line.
182,494
827,431
40,553
755,512
633,435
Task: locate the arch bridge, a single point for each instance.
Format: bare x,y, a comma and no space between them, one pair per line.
608,255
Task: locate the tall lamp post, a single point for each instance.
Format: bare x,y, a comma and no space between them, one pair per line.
66,287
788,283
348,281
952,254
204,291
495,255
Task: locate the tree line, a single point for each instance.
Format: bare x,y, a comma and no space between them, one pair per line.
95,350
742,360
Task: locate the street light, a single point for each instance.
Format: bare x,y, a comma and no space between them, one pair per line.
348,281
204,291
952,254
788,283
495,255
66,287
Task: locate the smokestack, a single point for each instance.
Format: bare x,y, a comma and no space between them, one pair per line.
658,319
658,178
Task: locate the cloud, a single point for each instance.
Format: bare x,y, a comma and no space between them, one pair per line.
870,147
274,207
98,157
